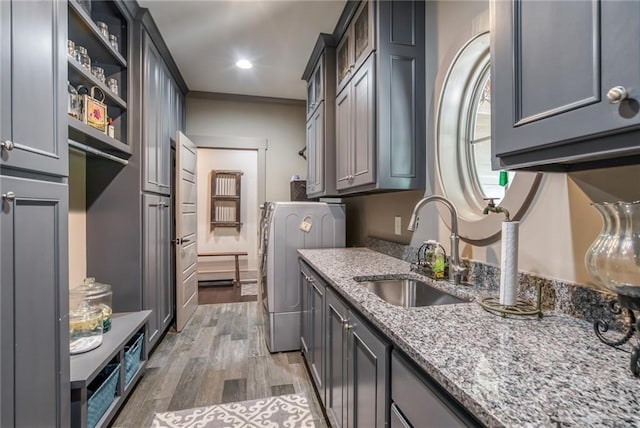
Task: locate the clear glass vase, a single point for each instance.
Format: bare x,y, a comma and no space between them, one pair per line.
613,260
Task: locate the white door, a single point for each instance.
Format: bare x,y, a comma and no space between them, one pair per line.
186,237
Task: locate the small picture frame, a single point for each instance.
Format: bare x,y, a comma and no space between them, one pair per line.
95,112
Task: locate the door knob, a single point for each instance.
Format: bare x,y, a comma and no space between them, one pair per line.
617,94
9,196
7,145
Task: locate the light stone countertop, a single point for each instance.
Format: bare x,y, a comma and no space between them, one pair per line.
506,371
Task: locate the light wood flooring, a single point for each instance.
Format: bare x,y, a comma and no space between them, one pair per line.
219,357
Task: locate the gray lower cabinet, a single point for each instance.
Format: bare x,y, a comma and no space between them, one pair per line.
336,363
367,375
312,339
34,364
156,292
357,368
33,105
418,402
564,96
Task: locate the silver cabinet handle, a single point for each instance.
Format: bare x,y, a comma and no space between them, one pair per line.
348,326
6,145
9,196
617,94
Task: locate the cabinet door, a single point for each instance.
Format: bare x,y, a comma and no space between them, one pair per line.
368,372
363,115
318,119
165,297
363,39
150,118
305,328
418,400
335,357
34,364
33,101
550,80
156,145
164,145
312,149
315,152
317,294
343,139
151,256
344,61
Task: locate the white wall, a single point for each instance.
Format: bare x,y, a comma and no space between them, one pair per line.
77,219
560,225
228,239
283,125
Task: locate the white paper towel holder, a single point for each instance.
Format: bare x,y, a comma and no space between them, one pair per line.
522,307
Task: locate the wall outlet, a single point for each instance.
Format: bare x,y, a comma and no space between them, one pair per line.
397,229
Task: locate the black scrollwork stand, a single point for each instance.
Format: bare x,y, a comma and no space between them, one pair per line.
626,305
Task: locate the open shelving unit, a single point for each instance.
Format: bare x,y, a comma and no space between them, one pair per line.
86,367
83,31
225,199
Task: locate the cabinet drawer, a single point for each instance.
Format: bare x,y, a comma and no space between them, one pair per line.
420,403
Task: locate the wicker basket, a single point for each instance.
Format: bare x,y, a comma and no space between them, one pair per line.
132,356
101,398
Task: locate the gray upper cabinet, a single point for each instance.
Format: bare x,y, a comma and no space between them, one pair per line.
34,364
380,124
356,44
320,77
565,96
315,88
355,131
33,37
156,112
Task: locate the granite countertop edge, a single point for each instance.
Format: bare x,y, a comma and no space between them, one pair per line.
394,321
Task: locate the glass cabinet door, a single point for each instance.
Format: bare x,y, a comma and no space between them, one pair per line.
362,33
310,96
317,84
343,60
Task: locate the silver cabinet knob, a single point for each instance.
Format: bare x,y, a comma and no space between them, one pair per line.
9,196
617,94
6,145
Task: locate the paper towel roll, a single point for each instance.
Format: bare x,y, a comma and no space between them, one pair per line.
509,263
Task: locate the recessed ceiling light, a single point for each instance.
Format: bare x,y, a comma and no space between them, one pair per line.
244,64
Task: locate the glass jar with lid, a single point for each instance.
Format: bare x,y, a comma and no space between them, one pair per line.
104,28
83,57
85,328
95,295
113,41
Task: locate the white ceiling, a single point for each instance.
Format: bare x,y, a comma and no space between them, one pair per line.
207,37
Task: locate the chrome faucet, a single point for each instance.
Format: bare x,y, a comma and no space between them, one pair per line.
456,271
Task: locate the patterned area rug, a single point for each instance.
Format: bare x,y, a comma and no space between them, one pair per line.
290,411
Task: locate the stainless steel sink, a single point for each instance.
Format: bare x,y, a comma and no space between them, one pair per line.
409,292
